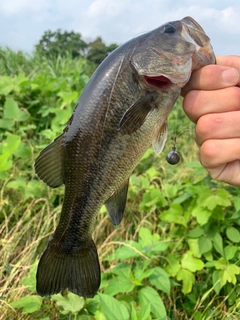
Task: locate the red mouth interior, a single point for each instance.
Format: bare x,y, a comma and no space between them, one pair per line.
159,82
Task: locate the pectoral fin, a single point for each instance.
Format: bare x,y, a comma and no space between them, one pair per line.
135,115
160,139
116,204
49,164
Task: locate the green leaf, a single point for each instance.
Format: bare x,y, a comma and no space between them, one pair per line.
5,162
30,281
68,96
98,315
202,215
221,198
174,265
33,189
216,277
149,296
170,191
160,279
130,249
233,234
174,215
205,244
230,273
150,242
152,198
144,313
152,173
187,278
29,304
221,264
122,269
218,243
3,174
227,271
119,284
6,124
181,199
92,304
195,232
11,144
6,85
224,195
23,151
112,308
218,213
194,247
17,184
190,263
229,252
236,203
61,117
12,111
133,312
208,256
145,236
70,303
157,247
20,79
141,273
198,316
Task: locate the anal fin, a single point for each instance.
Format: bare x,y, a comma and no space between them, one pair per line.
116,204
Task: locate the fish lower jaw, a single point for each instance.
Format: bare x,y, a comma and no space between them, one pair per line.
159,82
166,82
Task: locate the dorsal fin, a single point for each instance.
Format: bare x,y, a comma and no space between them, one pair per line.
49,164
116,204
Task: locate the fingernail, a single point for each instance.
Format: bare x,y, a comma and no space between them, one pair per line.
231,76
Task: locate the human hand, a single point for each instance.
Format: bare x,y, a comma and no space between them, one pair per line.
212,101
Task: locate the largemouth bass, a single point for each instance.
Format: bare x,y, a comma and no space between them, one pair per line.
122,111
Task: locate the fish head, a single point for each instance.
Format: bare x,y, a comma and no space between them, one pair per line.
165,57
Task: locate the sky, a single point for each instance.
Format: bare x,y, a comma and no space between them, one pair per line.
23,22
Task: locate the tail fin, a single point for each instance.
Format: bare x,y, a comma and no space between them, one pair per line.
78,272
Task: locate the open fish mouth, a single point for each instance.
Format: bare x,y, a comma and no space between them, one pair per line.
160,82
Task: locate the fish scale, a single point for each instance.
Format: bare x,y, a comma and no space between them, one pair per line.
122,111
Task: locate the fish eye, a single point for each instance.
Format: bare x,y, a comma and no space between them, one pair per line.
169,28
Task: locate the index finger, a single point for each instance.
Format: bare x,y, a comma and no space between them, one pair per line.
224,74
229,61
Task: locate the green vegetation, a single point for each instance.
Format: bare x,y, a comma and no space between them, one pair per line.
174,256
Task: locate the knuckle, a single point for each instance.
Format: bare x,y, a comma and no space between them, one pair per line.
209,153
204,126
